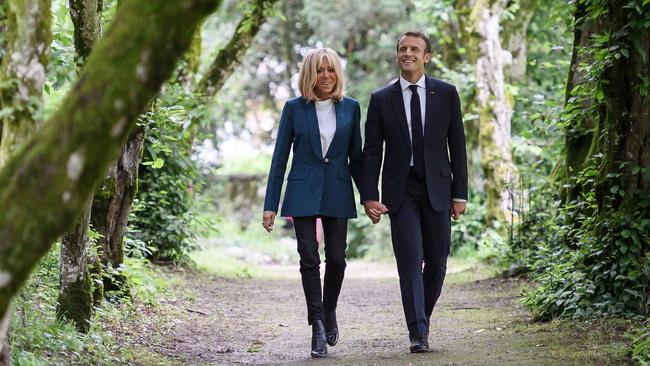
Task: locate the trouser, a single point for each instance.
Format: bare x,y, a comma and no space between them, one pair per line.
420,235
335,233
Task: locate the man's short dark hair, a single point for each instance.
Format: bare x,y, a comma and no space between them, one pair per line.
415,34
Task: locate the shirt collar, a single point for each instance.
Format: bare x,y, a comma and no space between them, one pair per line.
405,83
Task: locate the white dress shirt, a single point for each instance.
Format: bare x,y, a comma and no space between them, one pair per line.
406,94
326,115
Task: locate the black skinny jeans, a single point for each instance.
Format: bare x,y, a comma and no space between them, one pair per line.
335,232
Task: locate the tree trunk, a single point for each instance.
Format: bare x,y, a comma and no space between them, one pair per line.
495,109
582,119
514,38
5,357
230,56
111,207
22,73
86,16
75,300
76,288
25,46
626,121
45,186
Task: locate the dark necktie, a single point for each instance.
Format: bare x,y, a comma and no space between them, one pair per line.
417,139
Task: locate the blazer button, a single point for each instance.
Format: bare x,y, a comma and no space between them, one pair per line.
327,160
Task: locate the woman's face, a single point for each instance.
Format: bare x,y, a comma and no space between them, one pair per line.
325,80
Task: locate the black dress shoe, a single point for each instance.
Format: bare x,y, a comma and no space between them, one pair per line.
419,344
318,341
331,328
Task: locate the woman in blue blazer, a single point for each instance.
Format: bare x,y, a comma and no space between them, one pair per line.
322,127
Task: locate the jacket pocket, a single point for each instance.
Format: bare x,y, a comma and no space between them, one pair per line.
344,174
298,174
445,172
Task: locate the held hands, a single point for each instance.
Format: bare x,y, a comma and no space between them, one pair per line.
374,210
457,209
268,218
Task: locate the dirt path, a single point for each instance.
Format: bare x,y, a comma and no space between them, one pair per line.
218,321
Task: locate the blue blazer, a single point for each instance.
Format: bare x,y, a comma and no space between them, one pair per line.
317,184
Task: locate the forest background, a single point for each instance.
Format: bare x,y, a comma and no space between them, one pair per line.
556,114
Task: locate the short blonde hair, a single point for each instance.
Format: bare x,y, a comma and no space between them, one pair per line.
308,76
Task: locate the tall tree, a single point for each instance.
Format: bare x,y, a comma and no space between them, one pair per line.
495,107
45,185
75,300
25,46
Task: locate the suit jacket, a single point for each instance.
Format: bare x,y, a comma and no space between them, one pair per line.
445,158
317,184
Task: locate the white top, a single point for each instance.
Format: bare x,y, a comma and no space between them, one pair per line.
406,94
326,114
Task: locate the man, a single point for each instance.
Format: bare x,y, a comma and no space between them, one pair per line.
424,179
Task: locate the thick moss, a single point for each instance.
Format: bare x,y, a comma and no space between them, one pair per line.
74,304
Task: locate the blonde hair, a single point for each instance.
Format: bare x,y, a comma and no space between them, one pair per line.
308,73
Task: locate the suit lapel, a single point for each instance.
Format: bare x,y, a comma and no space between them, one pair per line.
432,108
398,105
312,120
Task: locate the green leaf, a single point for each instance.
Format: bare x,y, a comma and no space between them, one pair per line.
158,163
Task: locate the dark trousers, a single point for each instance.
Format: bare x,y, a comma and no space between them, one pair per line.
335,232
420,235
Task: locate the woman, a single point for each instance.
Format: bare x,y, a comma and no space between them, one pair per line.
323,127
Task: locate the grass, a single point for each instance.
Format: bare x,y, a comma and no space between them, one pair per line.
37,338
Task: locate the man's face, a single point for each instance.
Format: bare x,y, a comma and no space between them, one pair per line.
411,55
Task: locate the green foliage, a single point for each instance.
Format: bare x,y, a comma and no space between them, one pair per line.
38,338
641,345
587,262
162,213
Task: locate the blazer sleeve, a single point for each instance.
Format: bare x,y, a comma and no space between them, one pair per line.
355,162
457,150
279,161
372,152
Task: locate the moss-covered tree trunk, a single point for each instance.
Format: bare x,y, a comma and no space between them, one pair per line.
75,301
495,108
581,115
5,357
45,186
111,207
25,43
76,288
22,73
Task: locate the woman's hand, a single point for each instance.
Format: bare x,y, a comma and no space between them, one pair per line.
268,217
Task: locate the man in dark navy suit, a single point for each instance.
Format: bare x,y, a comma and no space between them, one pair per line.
424,181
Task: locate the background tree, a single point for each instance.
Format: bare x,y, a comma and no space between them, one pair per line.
75,300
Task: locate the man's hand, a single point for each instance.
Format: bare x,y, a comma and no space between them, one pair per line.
268,217
457,209
374,210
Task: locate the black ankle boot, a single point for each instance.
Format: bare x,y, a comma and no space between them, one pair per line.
331,328
318,341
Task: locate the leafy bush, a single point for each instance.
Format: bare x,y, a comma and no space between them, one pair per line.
586,262
641,345
162,213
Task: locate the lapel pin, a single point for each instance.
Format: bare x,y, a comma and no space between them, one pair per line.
432,92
